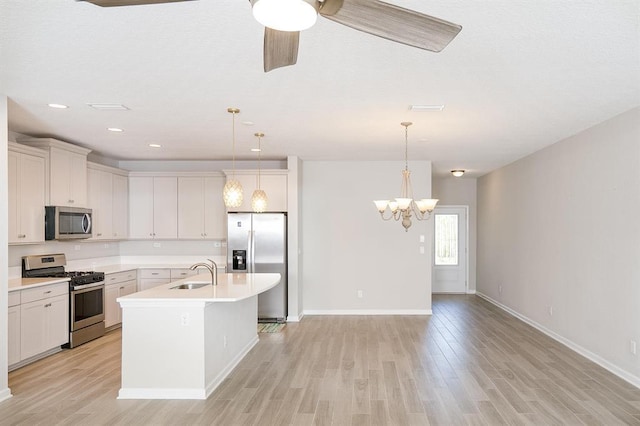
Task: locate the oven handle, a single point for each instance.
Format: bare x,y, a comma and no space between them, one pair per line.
86,287
86,223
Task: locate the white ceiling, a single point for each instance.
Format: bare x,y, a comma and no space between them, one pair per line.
520,76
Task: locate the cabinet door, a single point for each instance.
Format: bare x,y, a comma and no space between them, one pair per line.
111,308
165,207
14,334
215,217
32,328
14,199
191,207
57,321
276,188
78,183
60,178
32,197
147,283
141,207
95,202
120,208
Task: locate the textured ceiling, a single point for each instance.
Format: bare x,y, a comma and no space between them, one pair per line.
520,76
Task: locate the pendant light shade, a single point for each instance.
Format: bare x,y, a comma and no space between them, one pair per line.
232,194
259,201
259,197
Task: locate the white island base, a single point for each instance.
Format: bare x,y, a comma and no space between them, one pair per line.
181,344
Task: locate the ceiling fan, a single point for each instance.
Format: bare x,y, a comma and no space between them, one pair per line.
281,38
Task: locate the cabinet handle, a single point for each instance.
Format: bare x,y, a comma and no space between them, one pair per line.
112,279
121,288
47,292
47,305
99,234
22,236
71,201
155,273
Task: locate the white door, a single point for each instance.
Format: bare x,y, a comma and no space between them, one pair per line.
450,250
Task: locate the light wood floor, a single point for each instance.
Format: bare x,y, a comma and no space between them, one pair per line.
469,363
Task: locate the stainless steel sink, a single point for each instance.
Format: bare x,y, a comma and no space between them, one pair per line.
189,286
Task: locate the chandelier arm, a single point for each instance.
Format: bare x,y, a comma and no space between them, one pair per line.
386,218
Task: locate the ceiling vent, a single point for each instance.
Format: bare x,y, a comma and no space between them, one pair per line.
109,107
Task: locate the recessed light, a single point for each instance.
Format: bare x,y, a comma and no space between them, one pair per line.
426,108
458,172
59,106
155,145
114,129
255,150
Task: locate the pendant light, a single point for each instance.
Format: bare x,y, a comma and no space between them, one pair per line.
232,192
259,197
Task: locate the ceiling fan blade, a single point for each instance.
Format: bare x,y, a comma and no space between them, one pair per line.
392,22
280,48
109,3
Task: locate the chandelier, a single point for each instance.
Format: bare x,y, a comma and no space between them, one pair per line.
405,206
259,197
232,192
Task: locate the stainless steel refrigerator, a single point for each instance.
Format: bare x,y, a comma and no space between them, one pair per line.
257,242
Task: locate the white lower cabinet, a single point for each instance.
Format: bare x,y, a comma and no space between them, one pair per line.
149,278
117,285
44,323
14,327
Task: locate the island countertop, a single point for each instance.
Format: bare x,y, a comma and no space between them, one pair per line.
230,288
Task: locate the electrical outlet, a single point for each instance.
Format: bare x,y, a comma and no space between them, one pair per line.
422,238
185,319
550,311
360,294
76,248
421,249
224,341
500,289
632,346
157,245
217,244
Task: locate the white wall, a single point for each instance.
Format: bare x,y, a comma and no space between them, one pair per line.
453,191
4,224
347,247
560,229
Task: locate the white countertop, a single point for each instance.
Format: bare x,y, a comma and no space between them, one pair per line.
230,288
16,284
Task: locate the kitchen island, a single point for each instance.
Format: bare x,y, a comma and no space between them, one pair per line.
181,344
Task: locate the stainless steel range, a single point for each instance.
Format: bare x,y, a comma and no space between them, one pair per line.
86,295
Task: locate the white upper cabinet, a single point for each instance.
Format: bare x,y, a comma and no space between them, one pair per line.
108,198
201,213
272,182
26,184
67,171
153,207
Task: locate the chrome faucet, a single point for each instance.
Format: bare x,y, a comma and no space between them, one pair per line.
213,268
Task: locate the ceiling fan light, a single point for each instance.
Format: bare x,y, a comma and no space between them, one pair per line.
457,173
286,15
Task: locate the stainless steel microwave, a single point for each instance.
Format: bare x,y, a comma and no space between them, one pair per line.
67,223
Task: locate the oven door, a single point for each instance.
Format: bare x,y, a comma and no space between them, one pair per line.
87,306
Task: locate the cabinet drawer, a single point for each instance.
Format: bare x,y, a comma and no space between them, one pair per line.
14,298
119,277
155,273
178,274
44,292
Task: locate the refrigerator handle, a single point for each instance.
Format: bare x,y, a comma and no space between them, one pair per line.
250,255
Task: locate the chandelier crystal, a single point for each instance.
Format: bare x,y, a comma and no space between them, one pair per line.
259,197
232,193
405,206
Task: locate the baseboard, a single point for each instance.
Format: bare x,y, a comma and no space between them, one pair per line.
471,292
625,375
368,312
161,393
295,318
5,394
